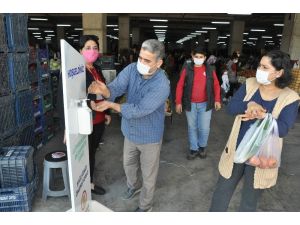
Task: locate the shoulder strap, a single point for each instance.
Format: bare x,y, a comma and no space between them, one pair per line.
251,88
286,97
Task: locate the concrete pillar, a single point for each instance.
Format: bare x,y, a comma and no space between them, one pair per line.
290,42
237,28
124,32
136,36
95,23
201,40
213,40
60,32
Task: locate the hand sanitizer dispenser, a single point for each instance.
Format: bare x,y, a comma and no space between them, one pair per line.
85,119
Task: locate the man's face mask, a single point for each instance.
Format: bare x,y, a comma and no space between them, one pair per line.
142,68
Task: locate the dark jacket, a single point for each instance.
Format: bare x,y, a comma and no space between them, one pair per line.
188,86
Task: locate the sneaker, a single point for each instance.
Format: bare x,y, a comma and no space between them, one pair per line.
192,154
143,210
130,193
98,190
202,153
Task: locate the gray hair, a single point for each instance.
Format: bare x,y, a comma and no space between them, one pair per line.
154,46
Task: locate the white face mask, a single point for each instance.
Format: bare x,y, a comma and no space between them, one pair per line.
142,68
235,61
262,77
198,62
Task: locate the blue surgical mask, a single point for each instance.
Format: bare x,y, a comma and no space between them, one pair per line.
142,68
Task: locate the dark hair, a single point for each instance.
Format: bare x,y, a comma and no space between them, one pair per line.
281,60
199,50
85,38
234,56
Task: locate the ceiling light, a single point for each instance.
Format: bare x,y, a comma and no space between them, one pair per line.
70,37
116,28
266,37
201,31
228,35
245,33
196,33
279,35
32,28
50,35
75,35
258,30
38,36
220,22
63,25
111,25
158,20
221,37
209,28
36,33
278,24
48,31
207,40
159,26
160,30
253,38
78,29
221,42
39,19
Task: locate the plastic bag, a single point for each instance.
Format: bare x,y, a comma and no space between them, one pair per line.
269,153
253,139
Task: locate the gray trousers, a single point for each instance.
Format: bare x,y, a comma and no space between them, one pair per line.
142,158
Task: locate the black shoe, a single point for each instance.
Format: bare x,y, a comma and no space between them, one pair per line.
202,153
98,190
192,154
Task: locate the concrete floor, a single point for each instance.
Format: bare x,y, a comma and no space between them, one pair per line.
182,185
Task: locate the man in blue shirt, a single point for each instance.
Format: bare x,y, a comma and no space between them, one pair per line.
147,89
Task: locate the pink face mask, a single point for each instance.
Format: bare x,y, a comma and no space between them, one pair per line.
91,55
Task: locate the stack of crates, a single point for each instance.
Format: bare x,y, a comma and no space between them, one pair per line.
18,178
16,112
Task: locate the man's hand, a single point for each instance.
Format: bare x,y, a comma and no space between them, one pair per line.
104,105
217,106
98,87
179,108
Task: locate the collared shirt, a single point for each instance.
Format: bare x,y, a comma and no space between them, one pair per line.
143,113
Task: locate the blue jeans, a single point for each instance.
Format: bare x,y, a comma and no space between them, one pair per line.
226,187
198,125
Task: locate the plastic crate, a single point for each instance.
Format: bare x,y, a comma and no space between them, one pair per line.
16,32
33,75
4,74
18,199
18,71
47,103
37,106
3,43
16,166
24,109
7,116
45,84
48,118
12,140
43,54
26,135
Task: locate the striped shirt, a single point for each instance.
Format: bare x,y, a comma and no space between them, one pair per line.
143,113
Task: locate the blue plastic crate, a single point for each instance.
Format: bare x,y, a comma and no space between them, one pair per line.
16,166
18,199
33,75
24,109
37,105
16,32
4,75
18,71
3,43
7,116
26,135
47,102
43,54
